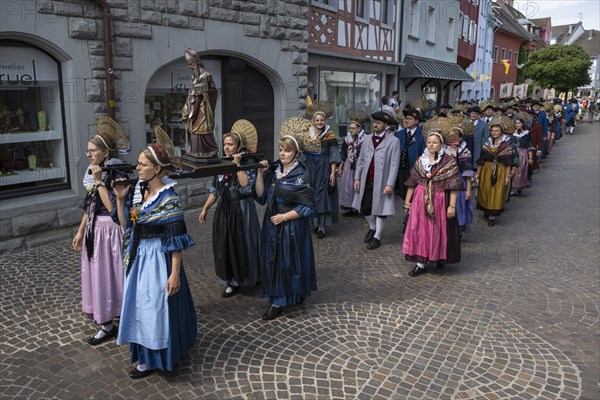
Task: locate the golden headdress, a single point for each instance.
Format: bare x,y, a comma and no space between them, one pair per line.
167,154
439,125
357,115
549,106
461,122
422,103
247,133
322,106
108,128
526,117
507,124
297,128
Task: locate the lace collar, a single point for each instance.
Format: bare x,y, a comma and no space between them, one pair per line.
279,170
501,139
138,198
424,159
520,135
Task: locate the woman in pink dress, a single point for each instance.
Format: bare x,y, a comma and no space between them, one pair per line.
432,233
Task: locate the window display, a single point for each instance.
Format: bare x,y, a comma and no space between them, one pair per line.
32,141
349,90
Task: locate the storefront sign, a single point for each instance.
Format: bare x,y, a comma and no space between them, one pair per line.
25,66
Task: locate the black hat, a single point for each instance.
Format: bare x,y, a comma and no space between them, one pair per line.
474,109
573,100
488,106
412,112
538,103
528,100
446,105
464,102
383,117
511,107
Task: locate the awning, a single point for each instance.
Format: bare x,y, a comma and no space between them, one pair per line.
416,67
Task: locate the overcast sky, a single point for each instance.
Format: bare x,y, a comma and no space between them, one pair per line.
563,12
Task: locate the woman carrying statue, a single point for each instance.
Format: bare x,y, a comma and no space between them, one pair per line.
236,230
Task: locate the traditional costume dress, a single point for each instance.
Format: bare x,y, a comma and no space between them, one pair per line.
326,209
287,258
350,152
159,328
430,236
497,158
464,207
236,230
523,144
101,263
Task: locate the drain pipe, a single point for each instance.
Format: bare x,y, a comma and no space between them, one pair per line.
108,58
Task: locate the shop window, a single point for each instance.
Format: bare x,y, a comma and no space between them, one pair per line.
32,138
345,90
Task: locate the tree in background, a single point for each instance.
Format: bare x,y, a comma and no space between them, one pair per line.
558,66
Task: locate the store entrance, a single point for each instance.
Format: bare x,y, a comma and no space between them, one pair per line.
244,92
248,94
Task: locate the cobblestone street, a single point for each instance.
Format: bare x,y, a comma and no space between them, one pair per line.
517,318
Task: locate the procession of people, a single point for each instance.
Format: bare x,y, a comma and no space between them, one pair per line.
440,164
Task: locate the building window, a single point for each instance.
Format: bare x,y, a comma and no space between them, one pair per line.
465,28
344,90
360,8
431,23
32,133
495,54
451,36
472,31
510,55
413,11
331,5
516,58
386,12
503,54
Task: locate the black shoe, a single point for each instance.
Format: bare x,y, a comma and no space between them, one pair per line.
519,191
440,265
316,229
350,213
272,313
110,334
417,271
374,244
300,300
320,234
234,290
369,235
491,222
137,374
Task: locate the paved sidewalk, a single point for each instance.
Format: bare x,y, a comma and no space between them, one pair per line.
517,318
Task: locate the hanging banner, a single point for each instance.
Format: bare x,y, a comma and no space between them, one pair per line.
505,90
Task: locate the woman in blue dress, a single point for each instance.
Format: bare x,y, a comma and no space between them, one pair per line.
236,229
287,262
322,161
457,148
158,318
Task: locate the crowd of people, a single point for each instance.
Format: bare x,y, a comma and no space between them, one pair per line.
440,168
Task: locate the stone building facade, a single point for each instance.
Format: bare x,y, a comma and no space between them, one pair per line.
256,51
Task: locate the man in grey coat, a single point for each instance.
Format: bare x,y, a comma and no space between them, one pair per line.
375,176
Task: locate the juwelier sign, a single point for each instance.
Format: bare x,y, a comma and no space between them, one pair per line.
25,66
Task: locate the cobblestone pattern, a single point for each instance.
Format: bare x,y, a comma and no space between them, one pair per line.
509,321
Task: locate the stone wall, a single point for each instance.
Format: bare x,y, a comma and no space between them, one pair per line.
282,20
